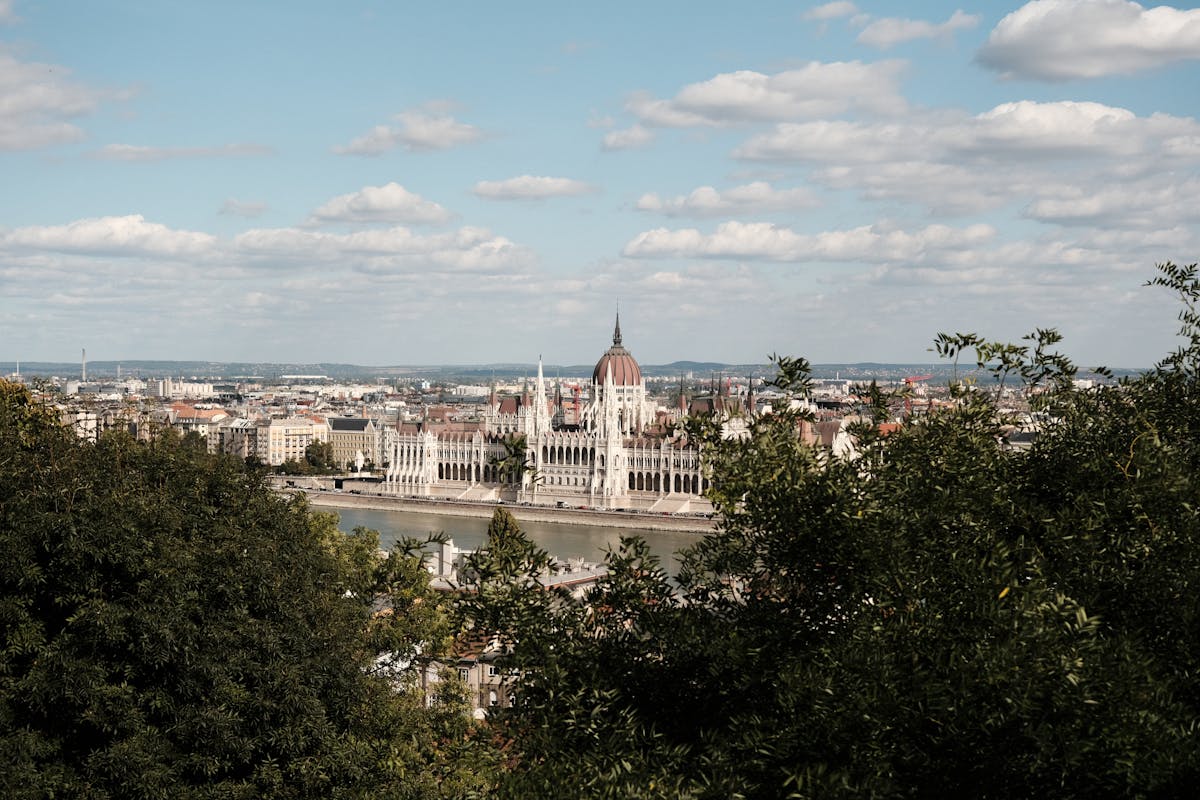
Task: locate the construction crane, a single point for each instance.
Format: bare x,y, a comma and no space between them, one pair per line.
910,385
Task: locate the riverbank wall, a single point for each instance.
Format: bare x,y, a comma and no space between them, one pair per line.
567,516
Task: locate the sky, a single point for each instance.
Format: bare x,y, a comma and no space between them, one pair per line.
378,183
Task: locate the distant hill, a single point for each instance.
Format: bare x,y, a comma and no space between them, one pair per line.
479,373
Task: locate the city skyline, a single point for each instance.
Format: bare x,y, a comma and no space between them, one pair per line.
382,184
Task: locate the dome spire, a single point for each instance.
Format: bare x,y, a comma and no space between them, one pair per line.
617,331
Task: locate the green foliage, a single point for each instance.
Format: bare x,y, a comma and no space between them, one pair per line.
513,463
792,375
169,627
319,456
579,665
318,460
1184,281
944,616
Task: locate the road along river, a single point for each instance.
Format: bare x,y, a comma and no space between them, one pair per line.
563,540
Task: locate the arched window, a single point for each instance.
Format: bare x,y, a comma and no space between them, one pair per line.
631,481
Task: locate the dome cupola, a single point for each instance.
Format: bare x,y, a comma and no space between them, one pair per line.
625,369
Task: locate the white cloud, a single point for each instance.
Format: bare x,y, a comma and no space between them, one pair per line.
37,102
1057,40
242,208
390,250
53,253
132,152
836,140
706,201
531,187
628,139
838,8
952,162
117,236
1055,129
1147,205
390,203
888,31
762,241
1063,129
416,130
814,90
943,188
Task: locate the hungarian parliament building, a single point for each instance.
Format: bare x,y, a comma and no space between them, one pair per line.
616,449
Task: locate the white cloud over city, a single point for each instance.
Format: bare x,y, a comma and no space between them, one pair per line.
707,201
41,104
838,180
813,90
413,130
1059,40
133,152
388,203
531,187
887,32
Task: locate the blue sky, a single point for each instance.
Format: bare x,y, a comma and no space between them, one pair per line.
383,183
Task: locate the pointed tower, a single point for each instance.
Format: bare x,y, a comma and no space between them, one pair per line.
541,407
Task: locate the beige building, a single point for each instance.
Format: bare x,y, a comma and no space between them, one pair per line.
283,440
353,438
236,437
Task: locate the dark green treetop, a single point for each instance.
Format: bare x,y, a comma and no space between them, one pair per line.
172,628
944,615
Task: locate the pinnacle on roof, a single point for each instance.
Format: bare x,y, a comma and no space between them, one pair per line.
617,331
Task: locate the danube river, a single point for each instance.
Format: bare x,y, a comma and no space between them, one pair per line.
564,541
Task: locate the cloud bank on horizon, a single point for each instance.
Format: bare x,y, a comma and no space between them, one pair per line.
389,185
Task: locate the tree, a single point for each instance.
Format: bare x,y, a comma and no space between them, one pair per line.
945,615
319,456
170,627
512,465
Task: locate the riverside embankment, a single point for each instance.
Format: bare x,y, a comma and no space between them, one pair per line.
564,516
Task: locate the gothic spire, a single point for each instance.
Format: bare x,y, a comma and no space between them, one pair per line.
617,331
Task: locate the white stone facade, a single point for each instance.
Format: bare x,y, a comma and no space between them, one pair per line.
617,456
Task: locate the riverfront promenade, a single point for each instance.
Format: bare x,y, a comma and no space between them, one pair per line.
319,498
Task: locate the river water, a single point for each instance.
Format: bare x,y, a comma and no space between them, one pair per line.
564,541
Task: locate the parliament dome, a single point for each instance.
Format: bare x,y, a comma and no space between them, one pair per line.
625,369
